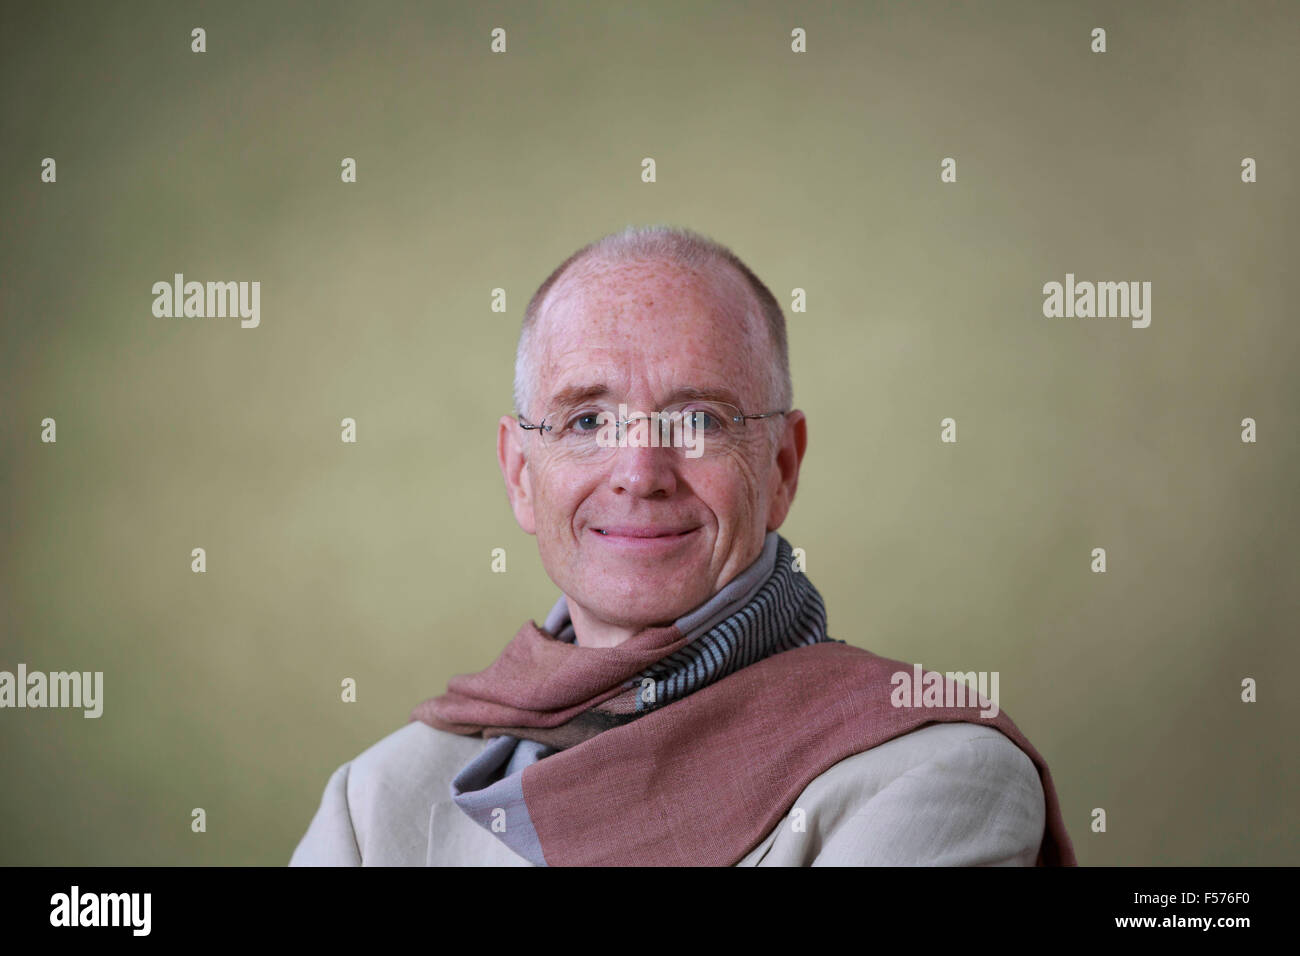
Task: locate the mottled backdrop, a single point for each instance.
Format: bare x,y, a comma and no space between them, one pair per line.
478,171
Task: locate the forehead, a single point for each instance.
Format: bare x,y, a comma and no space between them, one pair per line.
651,323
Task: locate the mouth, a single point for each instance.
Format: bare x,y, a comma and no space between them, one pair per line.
641,532
642,543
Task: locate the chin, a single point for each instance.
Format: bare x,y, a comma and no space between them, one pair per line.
650,613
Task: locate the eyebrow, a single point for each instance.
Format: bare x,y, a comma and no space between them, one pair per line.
704,394
573,394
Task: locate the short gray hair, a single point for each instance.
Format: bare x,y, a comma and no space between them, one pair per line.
681,247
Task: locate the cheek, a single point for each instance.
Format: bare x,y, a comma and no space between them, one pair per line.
557,495
733,489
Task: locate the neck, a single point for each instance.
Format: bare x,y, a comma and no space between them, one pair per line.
591,631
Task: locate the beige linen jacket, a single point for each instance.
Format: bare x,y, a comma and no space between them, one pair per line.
951,794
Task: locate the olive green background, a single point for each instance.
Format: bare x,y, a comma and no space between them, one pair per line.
478,171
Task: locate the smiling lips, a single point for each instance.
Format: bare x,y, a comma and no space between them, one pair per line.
638,531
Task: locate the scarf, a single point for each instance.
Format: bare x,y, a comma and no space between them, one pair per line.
685,745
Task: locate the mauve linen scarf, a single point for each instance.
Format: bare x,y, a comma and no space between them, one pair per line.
684,745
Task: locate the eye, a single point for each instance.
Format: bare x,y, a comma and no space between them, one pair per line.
703,419
584,423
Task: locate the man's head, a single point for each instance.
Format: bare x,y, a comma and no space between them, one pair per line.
643,535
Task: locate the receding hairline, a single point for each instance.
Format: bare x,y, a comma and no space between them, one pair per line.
740,298
680,249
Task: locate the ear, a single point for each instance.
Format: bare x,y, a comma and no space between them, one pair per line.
785,475
514,469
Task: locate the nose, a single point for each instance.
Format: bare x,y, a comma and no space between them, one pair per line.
646,472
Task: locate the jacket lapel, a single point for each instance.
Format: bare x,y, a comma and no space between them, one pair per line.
456,840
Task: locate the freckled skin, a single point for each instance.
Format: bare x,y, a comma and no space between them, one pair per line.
645,328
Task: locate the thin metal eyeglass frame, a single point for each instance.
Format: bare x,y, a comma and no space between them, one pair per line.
741,418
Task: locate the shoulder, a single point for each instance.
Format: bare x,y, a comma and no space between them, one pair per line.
946,794
975,751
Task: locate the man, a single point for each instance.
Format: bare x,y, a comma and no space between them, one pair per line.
683,703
